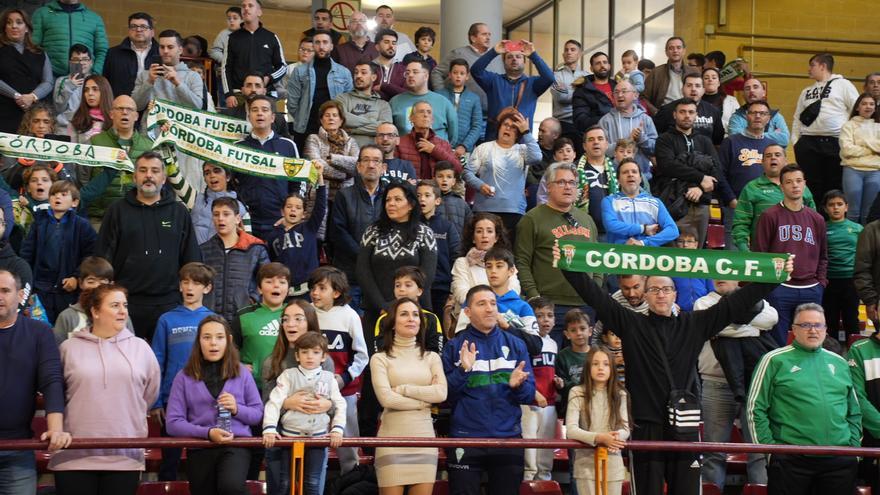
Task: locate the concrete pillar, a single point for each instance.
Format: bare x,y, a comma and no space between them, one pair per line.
456,16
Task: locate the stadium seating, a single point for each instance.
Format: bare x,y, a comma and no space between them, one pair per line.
540,488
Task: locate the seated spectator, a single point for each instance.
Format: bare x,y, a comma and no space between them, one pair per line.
724,102
422,146
627,120
593,94
254,84
214,396
471,125
359,48
27,78
708,122
391,81
92,115
416,83
776,128
107,358
689,289
68,91
632,216
860,157
362,108
233,23
333,148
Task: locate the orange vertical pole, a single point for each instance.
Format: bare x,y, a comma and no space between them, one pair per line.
600,458
297,467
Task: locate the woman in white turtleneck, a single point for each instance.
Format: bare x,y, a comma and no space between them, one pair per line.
407,379
25,75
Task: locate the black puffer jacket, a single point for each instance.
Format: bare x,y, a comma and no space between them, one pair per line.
589,103
235,283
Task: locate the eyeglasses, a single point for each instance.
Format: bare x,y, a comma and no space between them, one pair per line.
565,183
666,289
289,319
810,326
139,27
125,109
387,135
758,114
306,50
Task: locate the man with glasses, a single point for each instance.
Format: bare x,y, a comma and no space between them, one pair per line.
126,60
593,94
362,108
776,129
627,120
792,227
802,394
387,139
322,20
648,340
61,24
539,230
251,48
416,83
359,48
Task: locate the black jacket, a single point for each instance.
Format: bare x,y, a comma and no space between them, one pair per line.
121,66
245,52
352,213
240,112
147,245
234,284
682,338
708,121
11,262
589,104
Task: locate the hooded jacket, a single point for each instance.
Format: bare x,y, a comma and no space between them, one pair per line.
187,93
588,103
363,113
236,268
56,29
121,367
121,66
147,245
618,126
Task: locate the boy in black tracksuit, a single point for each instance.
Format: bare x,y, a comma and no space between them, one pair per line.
682,338
448,242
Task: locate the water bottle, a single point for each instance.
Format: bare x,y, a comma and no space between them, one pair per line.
224,418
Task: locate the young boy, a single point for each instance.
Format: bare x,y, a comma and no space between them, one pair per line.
93,271
311,350
233,23
630,71
409,281
328,288
295,241
454,208
255,327
38,179
235,256
173,342
55,246
539,419
689,290
624,148
448,241
471,125
68,89
840,299
570,360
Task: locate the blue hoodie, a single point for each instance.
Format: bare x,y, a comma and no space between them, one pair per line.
689,290
483,404
173,343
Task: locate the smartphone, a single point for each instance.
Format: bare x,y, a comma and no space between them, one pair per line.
76,68
157,60
513,46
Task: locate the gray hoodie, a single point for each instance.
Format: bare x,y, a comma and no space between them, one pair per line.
619,126
363,113
189,92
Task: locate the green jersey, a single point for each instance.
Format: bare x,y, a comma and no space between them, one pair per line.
758,195
255,331
842,237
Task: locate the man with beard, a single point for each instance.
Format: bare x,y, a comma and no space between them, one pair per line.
147,236
363,109
776,129
402,105
391,78
593,94
360,48
708,119
387,139
322,20
254,84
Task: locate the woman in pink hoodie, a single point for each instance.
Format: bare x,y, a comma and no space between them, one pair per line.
111,379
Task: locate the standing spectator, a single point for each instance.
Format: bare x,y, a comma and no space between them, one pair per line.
593,94
59,25
168,78
632,216
304,54
92,115
821,111
68,91
484,403
147,253
454,208
513,88
240,58
312,84
362,108
391,78
841,302
387,139
322,20
233,23
708,122
760,194
422,146
27,77
126,60
792,227
333,148
563,89
549,131
402,106
425,38
627,120
860,157
695,62
663,83
29,363
497,169
359,48
821,398
407,379
776,128
541,228
385,18
724,102
255,85
689,289
479,41
448,241
105,359
717,60
629,71
471,125
214,396
872,85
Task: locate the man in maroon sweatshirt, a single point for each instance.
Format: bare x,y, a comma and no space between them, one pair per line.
792,227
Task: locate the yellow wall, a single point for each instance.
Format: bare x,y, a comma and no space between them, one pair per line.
207,19
782,63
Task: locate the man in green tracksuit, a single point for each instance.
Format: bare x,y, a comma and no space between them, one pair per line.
802,394
864,363
760,194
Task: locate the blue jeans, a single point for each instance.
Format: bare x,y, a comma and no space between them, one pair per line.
785,300
314,470
18,472
860,188
356,295
719,411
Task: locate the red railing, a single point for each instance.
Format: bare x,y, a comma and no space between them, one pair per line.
513,443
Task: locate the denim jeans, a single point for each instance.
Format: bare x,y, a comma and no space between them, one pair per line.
860,188
720,409
18,472
314,470
785,300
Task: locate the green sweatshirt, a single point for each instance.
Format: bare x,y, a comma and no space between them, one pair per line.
842,238
535,235
569,367
757,196
800,396
864,364
255,331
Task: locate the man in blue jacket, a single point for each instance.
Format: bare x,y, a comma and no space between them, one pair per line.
489,375
513,88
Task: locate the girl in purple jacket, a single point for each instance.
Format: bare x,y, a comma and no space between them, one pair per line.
214,397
